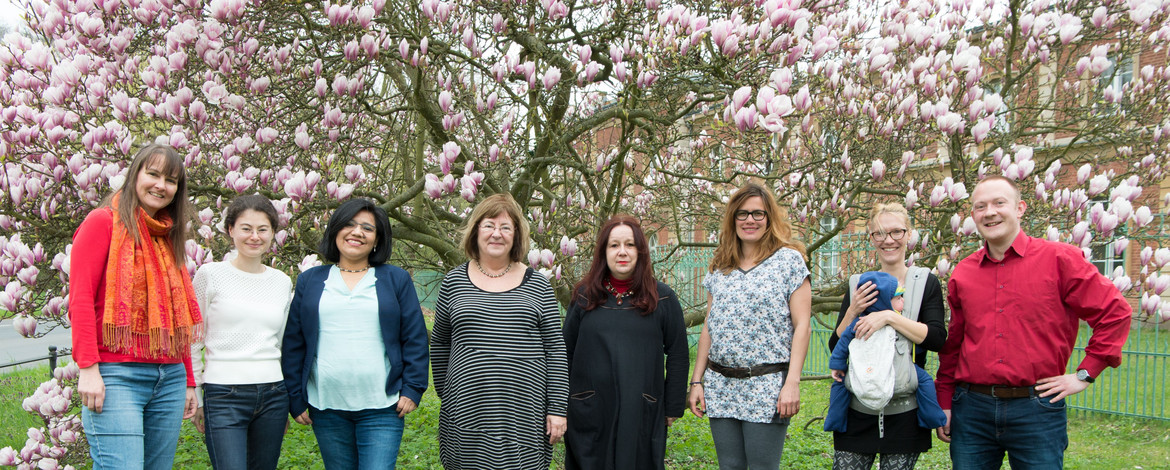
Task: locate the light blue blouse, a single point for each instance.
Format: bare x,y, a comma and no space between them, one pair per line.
351,369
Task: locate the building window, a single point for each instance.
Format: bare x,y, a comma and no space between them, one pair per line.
1105,259
1111,85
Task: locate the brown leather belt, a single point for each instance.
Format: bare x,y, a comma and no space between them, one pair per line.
1002,391
745,372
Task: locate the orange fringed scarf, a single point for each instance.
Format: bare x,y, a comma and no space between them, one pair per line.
150,306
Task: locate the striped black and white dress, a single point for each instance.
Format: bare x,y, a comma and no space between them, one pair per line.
500,368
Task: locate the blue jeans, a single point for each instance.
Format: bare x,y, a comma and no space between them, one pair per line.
363,440
244,424
141,415
1033,431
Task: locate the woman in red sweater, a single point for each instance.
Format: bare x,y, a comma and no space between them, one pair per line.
134,315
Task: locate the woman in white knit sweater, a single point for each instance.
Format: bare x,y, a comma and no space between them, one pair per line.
243,410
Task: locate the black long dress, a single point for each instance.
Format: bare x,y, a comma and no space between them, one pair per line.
618,396
902,434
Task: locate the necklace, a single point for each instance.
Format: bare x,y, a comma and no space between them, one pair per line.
493,276
353,270
619,296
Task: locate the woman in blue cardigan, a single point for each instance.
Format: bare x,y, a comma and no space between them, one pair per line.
344,317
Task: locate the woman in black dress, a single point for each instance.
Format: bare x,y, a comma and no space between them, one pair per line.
620,325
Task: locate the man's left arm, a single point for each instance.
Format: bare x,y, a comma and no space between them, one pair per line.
1094,299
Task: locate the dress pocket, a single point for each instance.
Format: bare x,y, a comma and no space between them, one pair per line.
583,417
653,428
583,395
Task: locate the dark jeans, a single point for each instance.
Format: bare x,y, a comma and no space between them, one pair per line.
244,424
1033,431
362,440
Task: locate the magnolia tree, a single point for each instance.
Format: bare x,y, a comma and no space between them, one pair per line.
582,109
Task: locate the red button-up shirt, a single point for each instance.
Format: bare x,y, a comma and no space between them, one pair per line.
1014,321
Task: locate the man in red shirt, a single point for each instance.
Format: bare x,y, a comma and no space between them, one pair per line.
1016,305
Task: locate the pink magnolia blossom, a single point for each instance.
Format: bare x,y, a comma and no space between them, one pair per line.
1161,283
950,123
25,325
1142,217
296,187
568,246
1161,257
267,135
937,195
968,227
227,11
551,77
802,99
1123,283
308,262
449,183
339,191
433,188
1150,304
1083,173
877,170
1099,16
365,14
1098,184
621,71
302,138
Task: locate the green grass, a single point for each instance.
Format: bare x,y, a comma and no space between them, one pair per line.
15,386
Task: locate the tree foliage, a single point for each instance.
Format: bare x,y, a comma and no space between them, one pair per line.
582,109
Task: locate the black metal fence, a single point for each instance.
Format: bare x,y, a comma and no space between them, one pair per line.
52,358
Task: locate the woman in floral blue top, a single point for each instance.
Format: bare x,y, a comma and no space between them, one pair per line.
759,302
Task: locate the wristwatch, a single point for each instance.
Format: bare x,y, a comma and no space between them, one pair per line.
1084,376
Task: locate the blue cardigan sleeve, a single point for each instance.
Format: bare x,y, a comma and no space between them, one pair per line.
292,351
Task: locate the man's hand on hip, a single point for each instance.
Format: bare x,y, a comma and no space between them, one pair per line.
1061,386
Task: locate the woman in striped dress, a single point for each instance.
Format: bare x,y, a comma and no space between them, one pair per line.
498,357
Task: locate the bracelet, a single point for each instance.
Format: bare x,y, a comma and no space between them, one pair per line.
697,383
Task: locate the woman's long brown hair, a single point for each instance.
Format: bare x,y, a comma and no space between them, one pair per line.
778,234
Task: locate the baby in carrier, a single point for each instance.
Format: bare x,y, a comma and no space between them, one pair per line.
889,297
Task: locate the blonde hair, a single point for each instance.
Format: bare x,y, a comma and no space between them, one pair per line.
777,235
888,208
490,207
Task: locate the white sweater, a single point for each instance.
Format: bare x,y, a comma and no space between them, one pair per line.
244,316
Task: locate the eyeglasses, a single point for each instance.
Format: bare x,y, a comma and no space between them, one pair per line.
489,228
756,215
365,227
896,234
